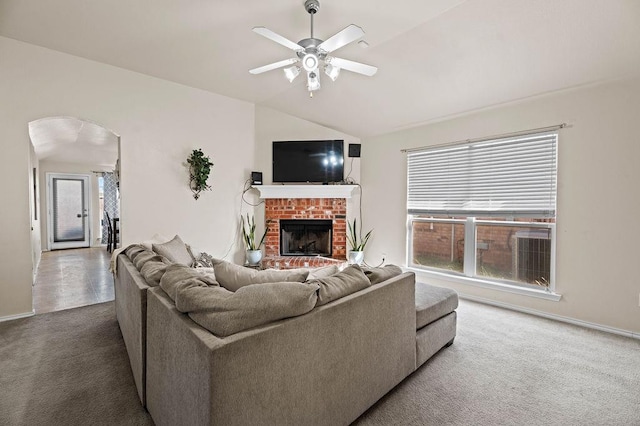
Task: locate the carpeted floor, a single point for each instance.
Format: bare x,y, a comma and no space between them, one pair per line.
67,368
509,368
505,368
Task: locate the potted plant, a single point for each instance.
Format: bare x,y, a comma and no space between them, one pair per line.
199,170
254,254
356,242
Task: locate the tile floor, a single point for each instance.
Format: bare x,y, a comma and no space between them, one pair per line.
71,278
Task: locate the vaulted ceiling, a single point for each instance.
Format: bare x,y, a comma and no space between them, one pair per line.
436,58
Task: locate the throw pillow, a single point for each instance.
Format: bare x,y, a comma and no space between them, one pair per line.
156,239
203,260
175,250
349,280
223,312
233,277
377,275
178,277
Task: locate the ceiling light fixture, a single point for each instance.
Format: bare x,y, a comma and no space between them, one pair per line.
332,72
311,53
310,62
313,81
291,73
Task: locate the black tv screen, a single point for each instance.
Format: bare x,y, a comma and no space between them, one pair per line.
308,161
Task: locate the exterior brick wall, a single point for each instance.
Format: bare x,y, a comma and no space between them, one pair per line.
436,239
497,245
334,209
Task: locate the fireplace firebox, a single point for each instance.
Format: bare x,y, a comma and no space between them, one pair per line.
302,237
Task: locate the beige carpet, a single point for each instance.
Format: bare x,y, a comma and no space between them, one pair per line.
508,368
67,368
505,368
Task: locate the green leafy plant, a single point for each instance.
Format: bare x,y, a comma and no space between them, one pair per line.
199,170
249,233
356,241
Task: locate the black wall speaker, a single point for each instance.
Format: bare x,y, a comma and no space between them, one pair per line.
256,178
354,150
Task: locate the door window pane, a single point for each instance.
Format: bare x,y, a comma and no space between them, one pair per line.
68,202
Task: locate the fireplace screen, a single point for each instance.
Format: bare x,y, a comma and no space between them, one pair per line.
305,237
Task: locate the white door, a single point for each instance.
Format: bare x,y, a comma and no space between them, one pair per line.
68,198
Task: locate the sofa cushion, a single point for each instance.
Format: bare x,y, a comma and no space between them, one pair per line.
210,272
178,276
225,312
349,280
152,271
145,256
175,250
319,272
377,275
322,272
433,303
133,250
233,277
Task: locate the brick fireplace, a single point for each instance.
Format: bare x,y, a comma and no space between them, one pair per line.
306,209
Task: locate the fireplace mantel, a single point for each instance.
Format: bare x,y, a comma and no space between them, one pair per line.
305,191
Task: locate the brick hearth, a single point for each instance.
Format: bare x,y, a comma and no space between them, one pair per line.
334,209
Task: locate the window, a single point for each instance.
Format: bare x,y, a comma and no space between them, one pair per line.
485,210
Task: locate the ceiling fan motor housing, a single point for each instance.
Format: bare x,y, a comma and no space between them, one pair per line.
312,6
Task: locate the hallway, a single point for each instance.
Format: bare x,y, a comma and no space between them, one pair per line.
72,278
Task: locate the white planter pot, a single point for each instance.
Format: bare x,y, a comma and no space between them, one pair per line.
254,257
356,257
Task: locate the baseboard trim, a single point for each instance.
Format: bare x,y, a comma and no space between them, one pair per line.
18,316
586,324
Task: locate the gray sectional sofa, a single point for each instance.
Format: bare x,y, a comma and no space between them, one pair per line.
326,366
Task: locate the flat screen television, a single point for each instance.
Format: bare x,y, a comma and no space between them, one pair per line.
319,161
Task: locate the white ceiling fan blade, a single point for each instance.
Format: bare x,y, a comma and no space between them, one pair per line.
273,66
277,38
352,66
342,38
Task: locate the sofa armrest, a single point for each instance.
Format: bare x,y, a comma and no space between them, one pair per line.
131,312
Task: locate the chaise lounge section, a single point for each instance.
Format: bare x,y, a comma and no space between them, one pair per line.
436,320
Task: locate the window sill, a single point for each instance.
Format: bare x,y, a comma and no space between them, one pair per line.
541,294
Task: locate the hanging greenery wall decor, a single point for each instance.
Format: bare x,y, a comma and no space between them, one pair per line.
199,170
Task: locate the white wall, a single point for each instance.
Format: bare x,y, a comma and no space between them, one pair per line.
598,199
272,125
159,122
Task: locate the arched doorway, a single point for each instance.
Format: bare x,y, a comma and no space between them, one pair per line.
74,167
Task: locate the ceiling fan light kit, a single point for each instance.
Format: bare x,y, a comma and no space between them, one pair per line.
291,73
311,53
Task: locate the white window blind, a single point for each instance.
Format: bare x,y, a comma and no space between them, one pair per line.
501,177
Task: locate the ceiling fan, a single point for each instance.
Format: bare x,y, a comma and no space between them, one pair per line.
311,53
